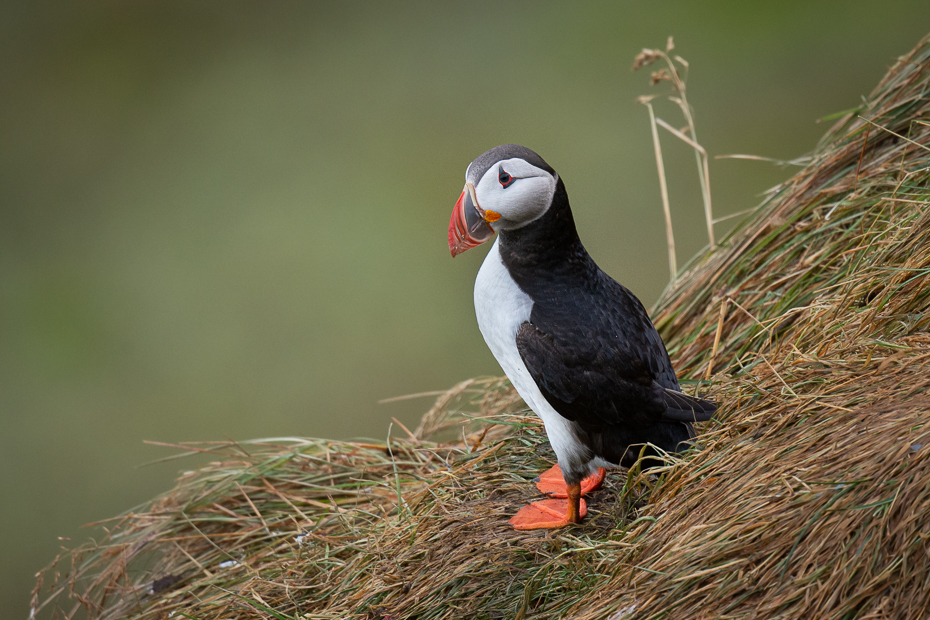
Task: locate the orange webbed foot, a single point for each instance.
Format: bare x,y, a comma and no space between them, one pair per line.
552,483
546,514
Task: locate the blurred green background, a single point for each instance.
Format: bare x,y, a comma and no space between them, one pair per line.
227,221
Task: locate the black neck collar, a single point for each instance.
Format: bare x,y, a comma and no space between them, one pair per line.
550,242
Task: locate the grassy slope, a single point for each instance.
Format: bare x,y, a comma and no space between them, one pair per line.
807,498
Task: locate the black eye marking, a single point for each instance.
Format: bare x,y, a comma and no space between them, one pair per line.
505,179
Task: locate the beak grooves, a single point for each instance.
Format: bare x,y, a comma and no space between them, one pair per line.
468,226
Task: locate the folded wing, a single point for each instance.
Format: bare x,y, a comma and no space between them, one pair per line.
608,381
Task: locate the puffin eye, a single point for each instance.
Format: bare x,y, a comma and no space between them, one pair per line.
505,179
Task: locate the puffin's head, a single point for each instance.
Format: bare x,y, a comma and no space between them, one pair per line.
505,188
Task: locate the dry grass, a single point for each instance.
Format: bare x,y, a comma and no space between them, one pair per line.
808,496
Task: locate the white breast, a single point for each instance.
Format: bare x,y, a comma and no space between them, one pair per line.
501,307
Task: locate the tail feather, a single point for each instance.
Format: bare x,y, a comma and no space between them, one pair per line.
687,408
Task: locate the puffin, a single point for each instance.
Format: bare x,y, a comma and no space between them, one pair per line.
577,345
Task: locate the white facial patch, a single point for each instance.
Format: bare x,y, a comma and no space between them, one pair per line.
525,199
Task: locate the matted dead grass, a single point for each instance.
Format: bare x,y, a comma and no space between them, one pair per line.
807,497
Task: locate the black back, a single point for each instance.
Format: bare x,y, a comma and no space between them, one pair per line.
589,345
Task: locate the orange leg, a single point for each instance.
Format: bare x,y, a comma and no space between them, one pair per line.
573,514
553,484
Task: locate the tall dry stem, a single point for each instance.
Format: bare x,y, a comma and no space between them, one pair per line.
663,188
678,96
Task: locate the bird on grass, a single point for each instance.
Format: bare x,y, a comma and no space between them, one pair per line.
578,346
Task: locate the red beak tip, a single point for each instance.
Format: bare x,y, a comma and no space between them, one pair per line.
461,236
